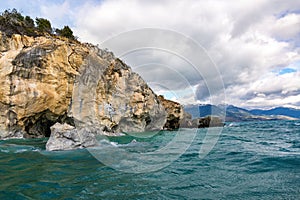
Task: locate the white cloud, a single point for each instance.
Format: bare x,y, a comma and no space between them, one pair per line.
246,40
272,90
249,42
287,27
57,13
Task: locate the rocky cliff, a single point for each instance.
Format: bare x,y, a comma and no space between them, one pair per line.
176,116
47,80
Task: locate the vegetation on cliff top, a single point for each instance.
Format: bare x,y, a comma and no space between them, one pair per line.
13,22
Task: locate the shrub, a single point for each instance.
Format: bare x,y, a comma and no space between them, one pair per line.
29,22
43,25
65,32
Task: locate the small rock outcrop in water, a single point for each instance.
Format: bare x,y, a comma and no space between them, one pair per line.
203,122
66,137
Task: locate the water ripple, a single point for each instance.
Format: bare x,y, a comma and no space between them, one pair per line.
257,160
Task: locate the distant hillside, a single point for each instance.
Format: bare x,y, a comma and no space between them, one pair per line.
203,110
278,111
234,113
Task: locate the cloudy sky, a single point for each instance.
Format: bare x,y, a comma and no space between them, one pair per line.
243,52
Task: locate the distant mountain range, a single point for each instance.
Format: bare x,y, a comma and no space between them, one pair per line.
278,111
234,114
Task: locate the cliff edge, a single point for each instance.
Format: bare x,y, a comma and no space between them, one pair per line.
47,80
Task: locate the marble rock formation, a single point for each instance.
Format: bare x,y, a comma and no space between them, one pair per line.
47,80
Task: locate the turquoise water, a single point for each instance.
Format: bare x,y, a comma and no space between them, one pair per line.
257,160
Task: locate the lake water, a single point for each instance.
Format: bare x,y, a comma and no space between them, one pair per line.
253,160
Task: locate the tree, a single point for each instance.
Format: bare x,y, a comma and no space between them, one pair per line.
29,22
12,22
43,25
12,17
66,32
14,14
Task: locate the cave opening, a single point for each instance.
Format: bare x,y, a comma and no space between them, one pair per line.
40,125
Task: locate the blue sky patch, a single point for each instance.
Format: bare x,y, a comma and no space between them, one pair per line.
286,71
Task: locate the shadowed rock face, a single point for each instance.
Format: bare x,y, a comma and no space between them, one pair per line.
46,80
175,113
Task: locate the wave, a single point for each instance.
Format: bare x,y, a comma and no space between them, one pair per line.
297,123
11,148
133,142
232,125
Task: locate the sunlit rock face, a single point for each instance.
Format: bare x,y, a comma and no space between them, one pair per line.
47,80
37,77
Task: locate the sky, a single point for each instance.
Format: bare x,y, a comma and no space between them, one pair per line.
240,52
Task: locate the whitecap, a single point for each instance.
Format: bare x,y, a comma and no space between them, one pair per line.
21,150
115,144
12,148
4,150
231,125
